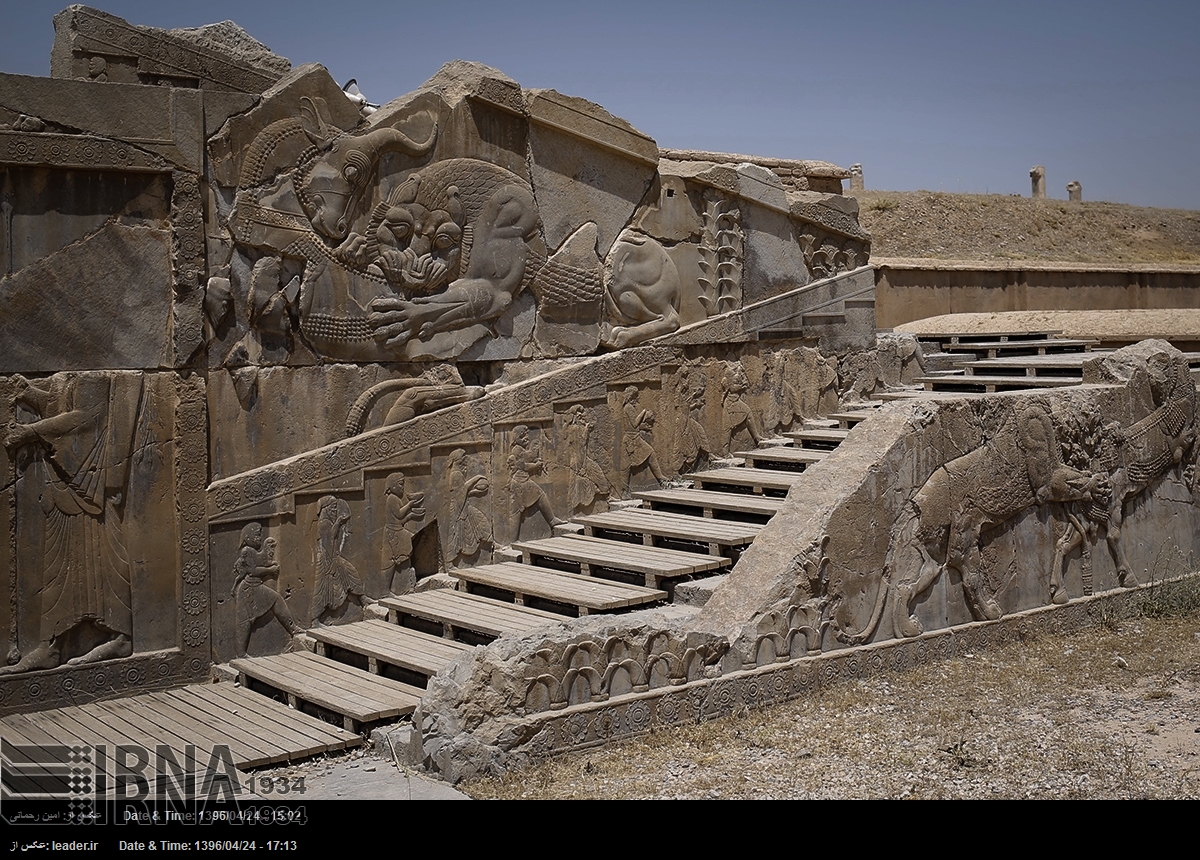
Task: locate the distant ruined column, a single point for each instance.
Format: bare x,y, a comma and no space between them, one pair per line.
856,178
1038,175
1074,190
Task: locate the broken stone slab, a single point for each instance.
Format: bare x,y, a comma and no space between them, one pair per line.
94,45
281,103
585,160
170,123
795,174
102,302
479,113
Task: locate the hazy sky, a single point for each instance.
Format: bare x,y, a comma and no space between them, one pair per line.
951,96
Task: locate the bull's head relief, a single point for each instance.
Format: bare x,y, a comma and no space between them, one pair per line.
331,183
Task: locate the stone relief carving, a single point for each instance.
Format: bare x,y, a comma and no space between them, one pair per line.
636,438
739,417
254,597
1017,469
403,508
524,464
438,387
1133,458
77,452
642,291
721,250
587,481
469,529
337,583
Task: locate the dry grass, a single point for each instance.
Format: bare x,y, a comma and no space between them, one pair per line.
997,227
1050,717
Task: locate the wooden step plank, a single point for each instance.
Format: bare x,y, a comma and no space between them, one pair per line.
276,739
711,500
371,692
716,535
756,479
180,722
316,680
117,714
207,707
614,555
831,437
466,611
314,730
993,383
670,522
392,644
782,454
586,594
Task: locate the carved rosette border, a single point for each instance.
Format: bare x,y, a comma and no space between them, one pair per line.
70,685
238,497
191,462
579,727
76,151
188,266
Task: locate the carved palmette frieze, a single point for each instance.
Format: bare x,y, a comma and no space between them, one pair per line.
553,725
76,151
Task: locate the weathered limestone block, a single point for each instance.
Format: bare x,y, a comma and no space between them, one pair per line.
963,510
104,501
583,160
102,302
94,45
465,722
144,121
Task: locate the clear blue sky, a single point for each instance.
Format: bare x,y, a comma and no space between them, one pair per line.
951,96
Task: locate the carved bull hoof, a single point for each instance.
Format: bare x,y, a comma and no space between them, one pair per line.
1059,596
906,626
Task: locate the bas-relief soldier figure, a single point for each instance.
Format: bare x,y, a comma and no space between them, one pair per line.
588,480
79,451
639,452
402,509
337,581
525,461
253,596
470,529
738,414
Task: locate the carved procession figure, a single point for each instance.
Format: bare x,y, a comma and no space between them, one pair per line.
254,597
469,530
337,582
588,481
639,453
79,451
402,509
524,462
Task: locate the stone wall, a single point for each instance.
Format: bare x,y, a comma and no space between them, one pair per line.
255,329
933,516
908,291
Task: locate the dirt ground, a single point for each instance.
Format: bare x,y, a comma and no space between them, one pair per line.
995,227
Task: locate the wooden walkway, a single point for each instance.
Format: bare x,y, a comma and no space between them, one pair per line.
256,730
593,555
719,537
389,644
360,698
587,594
457,611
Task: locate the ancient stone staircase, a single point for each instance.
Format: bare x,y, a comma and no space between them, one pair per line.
631,556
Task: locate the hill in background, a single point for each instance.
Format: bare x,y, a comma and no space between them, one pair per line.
996,228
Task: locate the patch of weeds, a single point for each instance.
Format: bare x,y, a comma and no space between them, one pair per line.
883,204
1178,598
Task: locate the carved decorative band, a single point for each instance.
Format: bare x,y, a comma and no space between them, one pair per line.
83,152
